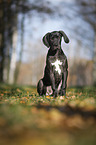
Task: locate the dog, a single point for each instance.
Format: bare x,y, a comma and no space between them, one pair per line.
56,69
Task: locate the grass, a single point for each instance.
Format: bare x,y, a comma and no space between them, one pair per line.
29,119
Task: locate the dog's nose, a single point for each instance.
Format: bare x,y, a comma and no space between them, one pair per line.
55,44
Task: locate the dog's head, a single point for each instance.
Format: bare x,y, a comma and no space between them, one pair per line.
53,39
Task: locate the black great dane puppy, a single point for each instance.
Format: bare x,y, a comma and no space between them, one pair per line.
56,65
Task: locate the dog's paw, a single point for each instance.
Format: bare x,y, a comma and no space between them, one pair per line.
62,92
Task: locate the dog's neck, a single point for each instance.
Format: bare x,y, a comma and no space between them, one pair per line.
55,47
53,52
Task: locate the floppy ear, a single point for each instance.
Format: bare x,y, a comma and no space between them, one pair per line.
66,39
46,39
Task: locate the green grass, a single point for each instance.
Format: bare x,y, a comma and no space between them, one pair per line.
29,119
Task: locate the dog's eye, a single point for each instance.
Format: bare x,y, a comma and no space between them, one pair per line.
58,36
52,38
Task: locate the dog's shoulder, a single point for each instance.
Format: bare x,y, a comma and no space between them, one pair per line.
62,55
50,56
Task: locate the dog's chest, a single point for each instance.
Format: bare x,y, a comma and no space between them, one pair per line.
57,65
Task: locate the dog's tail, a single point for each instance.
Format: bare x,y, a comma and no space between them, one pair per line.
66,39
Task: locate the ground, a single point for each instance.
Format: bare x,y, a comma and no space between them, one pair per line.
29,119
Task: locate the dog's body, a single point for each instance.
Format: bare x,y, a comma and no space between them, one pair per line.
56,65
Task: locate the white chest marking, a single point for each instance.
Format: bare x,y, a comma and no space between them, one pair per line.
57,64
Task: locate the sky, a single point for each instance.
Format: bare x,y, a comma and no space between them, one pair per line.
65,17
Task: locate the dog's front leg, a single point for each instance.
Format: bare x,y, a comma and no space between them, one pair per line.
52,79
64,83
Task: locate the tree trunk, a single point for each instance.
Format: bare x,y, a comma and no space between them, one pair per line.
94,62
21,51
2,38
13,59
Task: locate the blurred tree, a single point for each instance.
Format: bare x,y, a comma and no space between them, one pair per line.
88,10
1,40
21,50
9,10
8,24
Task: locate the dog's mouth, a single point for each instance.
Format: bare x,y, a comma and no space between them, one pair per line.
55,48
55,44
